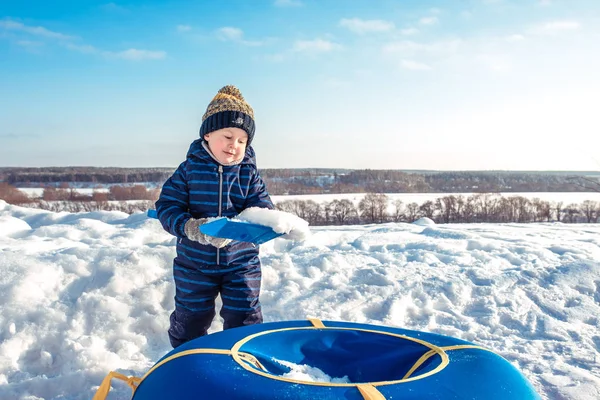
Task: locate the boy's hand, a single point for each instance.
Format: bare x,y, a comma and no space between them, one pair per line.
217,242
192,231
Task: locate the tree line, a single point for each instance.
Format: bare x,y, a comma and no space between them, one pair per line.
481,207
13,195
133,198
319,181
55,176
372,208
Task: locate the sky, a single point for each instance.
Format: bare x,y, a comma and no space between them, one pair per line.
89,293
379,84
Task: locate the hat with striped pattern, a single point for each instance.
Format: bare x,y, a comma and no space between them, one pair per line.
228,109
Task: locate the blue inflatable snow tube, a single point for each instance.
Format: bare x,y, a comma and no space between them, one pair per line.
379,362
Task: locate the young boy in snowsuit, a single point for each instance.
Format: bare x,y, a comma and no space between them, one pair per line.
219,178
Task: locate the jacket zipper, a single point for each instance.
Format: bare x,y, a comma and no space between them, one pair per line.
220,202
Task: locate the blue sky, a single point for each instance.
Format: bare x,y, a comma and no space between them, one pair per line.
470,84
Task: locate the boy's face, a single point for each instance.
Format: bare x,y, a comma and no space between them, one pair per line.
227,144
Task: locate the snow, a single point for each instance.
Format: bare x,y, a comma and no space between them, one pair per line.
308,373
82,294
293,227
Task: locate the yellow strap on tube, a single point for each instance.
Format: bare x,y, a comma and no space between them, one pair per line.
104,388
370,392
252,360
134,382
431,353
317,323
420,361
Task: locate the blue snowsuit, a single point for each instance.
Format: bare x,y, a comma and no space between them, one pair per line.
201,188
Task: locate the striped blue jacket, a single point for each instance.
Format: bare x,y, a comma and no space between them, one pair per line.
200,188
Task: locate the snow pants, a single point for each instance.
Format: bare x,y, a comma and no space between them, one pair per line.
195,296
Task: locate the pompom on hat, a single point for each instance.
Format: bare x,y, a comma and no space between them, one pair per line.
228,109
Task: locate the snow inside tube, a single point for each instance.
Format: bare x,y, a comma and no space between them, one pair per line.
379,362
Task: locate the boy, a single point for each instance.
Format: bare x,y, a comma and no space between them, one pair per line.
219,178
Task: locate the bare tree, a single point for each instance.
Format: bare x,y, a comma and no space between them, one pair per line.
287,206
589,209
373,207
459,208
308,210
485,205
571,213
558,209
398,211
523,208
327,213
311,212
343,211
541,210
469,210
427,209
412,212
446,206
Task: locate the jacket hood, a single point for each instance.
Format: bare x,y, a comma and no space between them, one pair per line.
196,150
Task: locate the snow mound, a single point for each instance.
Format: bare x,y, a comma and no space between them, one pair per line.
424,222
11,225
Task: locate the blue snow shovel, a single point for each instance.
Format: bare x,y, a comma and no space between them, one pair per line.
236,230
239,230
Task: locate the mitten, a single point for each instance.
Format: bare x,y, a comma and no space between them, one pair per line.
218,242
192,231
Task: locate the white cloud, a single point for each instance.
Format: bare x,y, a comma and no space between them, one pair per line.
414,65
337,83
83,48
554,27
428,20
254,43
288,3
280,57
183,28
409,46
32,46
29,43
12,25
115,8
129,54
138,55
230,33
67,41
409,31
495,62
315,46
361,26
515,38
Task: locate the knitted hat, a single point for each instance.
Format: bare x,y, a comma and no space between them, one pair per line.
228,109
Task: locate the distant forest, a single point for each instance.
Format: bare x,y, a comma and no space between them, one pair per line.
319,181
135,190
